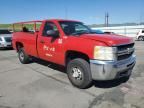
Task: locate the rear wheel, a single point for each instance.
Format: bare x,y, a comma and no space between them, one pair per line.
23,57
78,71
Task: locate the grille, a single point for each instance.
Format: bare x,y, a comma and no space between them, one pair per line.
125,51
8,39
124,47
122,57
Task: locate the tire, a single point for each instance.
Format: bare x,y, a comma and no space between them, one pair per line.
141,38
79,74
23,57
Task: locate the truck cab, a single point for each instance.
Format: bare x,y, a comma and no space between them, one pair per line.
86,55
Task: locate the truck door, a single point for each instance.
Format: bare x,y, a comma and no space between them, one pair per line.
50,47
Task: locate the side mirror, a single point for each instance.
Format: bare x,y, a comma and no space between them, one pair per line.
52,33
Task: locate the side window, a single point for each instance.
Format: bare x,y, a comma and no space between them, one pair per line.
49,26
142,31
28,28
38,25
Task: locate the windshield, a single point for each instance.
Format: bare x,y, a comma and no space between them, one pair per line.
97,31
74,28
4,32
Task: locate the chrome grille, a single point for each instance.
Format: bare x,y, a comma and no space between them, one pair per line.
124,47
125,51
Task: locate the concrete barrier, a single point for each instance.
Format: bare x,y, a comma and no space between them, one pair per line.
129,31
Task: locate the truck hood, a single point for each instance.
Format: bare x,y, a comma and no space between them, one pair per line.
111,40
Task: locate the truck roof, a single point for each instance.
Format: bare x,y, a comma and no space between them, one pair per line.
61,20
45,20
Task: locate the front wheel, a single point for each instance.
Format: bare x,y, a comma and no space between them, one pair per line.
23,57
78,71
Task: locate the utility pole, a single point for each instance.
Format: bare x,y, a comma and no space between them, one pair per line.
106,19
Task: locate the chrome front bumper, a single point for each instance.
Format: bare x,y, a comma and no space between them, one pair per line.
109,70
5,45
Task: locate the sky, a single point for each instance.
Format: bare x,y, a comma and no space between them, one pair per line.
88,11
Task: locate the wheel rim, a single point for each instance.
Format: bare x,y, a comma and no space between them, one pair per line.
76,74
21,55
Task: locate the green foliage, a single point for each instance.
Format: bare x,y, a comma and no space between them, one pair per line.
18,27
5,26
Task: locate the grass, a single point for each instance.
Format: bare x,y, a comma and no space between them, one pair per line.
5,26
18,26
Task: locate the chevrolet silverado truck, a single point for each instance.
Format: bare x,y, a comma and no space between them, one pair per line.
86,55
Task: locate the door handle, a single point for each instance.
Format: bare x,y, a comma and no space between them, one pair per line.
42,41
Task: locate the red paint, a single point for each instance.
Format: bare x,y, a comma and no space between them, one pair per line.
84,43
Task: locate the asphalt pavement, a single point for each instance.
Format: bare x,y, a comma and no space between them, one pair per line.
42,84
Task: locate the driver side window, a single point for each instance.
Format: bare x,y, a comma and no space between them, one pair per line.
49,26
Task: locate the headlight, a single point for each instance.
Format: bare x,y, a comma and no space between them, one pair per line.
104,53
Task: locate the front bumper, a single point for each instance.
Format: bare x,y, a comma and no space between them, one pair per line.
109,70
5,45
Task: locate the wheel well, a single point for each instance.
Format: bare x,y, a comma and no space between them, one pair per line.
19,45
70,55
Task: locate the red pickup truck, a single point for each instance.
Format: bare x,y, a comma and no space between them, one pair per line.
86,55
